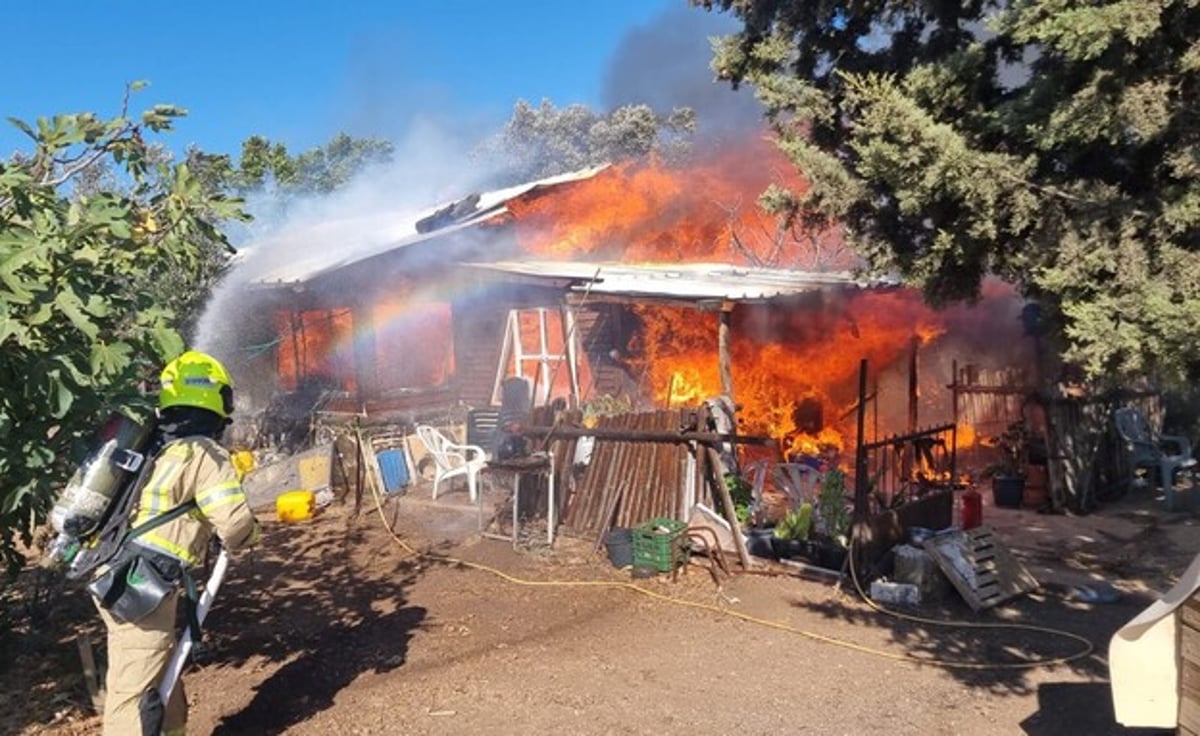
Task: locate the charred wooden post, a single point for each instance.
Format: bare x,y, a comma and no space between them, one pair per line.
908,460
861,482
714,459
954,391
724,350
875,410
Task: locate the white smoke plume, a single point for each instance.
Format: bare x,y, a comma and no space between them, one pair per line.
664,64
381,205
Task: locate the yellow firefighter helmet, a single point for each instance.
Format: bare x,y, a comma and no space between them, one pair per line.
197,379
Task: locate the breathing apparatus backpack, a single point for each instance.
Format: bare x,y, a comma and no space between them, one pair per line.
91,514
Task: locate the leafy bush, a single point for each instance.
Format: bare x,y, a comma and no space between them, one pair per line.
831,506
84,321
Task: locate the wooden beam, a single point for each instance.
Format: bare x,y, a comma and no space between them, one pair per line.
908,459
643,435
859,520
724,352
572,357
714,459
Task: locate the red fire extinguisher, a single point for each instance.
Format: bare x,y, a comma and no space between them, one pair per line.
972,509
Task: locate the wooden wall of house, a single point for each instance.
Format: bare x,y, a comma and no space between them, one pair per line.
601,336
478,341
479,330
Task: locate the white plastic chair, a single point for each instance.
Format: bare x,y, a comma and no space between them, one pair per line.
452,459
798,480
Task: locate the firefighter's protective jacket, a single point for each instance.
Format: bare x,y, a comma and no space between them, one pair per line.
195,468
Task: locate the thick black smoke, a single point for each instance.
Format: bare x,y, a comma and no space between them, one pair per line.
665,65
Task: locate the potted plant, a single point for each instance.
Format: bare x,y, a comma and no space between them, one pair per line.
1008,473
831,548
748,515
791,533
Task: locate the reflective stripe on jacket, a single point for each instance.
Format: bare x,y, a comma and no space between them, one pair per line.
195,468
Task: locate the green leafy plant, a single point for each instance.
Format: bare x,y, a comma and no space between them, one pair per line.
742,495
797,524
831,506
84,320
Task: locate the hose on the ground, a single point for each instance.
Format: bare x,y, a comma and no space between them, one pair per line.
1086,645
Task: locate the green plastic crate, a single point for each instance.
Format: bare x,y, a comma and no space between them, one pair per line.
659,544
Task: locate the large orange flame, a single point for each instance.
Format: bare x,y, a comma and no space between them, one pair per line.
806,351
782,356
638,212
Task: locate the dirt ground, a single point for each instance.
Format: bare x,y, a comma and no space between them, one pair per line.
333,627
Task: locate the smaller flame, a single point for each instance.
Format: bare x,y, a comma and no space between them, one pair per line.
827,440
928,332
686,388
965,436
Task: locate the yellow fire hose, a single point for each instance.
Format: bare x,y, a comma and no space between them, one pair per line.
1086,646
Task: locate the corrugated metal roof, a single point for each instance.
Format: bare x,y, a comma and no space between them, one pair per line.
689,281
335,244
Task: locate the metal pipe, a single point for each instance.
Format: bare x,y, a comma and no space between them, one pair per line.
901,438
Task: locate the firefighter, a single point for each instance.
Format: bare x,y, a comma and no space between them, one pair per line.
194,406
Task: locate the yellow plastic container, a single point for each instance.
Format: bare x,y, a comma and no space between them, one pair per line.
295,506
243,462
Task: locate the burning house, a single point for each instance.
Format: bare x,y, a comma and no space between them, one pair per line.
634,285
617,281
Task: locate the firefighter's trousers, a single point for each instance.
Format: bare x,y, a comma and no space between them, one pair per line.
137,657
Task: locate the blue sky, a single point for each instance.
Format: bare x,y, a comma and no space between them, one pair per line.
300,71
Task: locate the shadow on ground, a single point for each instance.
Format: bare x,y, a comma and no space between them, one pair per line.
41,681
1078,707
1004,653
319,601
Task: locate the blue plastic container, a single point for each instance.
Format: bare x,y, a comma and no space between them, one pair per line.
394,467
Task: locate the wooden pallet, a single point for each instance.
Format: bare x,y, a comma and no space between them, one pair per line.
981,568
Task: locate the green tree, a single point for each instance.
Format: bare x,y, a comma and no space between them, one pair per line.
543,141
317,171
1052,143
82,318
